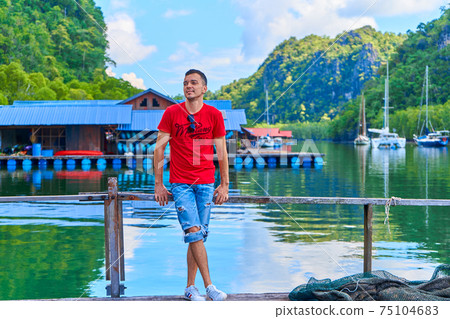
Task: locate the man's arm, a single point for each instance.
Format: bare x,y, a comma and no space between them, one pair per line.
222,155
161,193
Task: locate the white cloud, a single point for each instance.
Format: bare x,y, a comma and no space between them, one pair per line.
134,80
185,51
169,14
119,4
266,23
124,41
109,71
389,8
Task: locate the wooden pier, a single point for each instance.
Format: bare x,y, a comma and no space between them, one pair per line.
276,157
114,245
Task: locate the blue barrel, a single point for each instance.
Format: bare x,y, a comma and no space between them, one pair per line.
295,162
307,162
26,164
36,150
101,162
238,161
70,164
57,164
318,161
11,163
248,162
86,161
42,163
117,161
272,162
260,162
47,153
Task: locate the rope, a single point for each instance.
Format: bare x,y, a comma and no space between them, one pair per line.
389,202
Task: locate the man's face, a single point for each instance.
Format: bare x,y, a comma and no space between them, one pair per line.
193,86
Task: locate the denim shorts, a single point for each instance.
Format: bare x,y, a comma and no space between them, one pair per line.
193,204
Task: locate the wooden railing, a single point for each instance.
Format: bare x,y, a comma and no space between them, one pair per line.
114,243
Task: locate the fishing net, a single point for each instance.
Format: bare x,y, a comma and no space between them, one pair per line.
376,285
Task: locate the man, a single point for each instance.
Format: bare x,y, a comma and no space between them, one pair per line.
193,129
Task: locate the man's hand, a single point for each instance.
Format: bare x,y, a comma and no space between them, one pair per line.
161,194
221,194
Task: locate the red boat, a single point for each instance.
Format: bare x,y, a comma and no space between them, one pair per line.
79,153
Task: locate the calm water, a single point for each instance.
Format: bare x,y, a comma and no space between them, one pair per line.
51,250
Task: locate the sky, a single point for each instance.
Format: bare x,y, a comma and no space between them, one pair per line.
154,42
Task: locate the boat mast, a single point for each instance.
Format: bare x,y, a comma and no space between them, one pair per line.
426,97
364,130
267,109
386,100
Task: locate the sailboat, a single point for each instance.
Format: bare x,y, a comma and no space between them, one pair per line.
431,139
387,139
362,138
266,141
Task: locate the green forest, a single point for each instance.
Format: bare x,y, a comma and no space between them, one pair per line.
53,50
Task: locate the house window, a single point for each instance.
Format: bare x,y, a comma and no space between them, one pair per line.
155,103
143,103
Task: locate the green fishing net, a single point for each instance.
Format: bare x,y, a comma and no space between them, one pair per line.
376,285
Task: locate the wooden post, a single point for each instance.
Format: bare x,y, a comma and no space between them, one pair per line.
112,224
368,214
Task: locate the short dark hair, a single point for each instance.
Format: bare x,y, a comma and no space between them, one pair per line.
202,75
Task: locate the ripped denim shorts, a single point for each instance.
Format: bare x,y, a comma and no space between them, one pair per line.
193,204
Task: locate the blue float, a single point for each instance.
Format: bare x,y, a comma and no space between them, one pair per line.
318,161
70,164
260,162
272,162
295,162
42,163
238,161
117,161
101,162
26,164
248,162
307,162
11,163
57,164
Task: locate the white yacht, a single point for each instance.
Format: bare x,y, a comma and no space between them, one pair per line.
385,138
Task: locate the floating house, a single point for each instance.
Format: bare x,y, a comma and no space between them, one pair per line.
95,125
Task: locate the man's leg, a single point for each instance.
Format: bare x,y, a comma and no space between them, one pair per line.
197,258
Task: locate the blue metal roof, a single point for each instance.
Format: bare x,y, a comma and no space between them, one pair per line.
67,102
26,113
149,120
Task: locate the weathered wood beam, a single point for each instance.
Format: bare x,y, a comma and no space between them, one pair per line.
368,216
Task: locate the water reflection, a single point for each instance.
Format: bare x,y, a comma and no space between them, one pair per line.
252,248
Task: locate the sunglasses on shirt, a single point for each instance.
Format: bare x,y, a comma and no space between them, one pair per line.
191,119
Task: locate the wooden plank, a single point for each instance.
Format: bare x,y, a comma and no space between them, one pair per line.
368,217
308,200
87,197
276,296
121,240
107,251
113,234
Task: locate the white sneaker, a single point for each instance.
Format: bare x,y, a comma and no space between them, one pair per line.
192,293
215,294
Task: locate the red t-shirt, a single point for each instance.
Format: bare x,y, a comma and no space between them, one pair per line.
191,152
